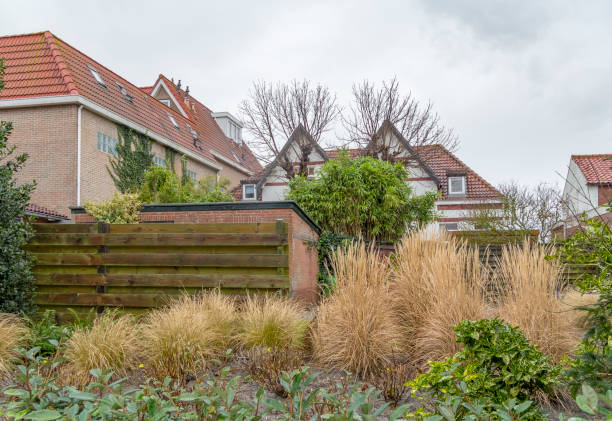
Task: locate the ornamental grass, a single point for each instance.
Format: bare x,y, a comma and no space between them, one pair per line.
180,338
14,334
355,326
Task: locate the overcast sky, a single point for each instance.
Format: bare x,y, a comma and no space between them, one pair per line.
524,84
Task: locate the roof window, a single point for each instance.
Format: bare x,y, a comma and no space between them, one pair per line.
456,185
96,75
173,121
124,92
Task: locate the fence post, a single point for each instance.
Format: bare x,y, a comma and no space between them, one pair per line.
103,228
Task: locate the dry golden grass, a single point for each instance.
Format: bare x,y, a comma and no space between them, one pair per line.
272,321
14,334
437,282
529,291
112,343
181,337
355,326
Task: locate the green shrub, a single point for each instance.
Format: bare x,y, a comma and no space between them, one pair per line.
133,157
364,197
593,362
497,365
596,406
161,185
120,209
16,279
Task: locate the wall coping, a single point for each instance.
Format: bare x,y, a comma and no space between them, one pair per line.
222,206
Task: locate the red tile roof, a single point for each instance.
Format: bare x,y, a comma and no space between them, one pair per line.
41,210
442,162
43,65
597,169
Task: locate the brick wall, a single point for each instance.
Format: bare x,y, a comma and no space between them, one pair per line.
303,265
49,135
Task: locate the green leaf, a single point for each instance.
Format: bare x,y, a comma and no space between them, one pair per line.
83,396
583,404
523,406
43,415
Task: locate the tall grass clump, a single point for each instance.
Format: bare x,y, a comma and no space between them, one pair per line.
272,321
355,326
14,334
530,291
111,343
437,282
180,338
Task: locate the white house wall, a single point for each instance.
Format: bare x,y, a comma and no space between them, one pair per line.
578,196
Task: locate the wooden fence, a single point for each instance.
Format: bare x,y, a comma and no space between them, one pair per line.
84,266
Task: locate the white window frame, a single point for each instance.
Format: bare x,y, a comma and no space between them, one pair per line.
244,186
450,183
191,174
107,144
96,75
173,121
158,161
445,226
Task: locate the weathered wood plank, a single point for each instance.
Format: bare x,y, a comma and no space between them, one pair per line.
65,228
164,280
162,239
113,300
267,227
166,259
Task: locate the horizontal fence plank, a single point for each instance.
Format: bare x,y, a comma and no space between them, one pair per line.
159,239
164,280
138,259
141,266
65,228
263,227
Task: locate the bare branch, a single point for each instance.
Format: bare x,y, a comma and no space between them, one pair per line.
273,112
419,124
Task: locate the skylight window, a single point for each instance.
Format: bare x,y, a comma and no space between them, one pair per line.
173,121
96,75
124,92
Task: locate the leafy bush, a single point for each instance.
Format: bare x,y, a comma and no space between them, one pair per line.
265,365
355,326
597,406
182,336
112,343
497,364
16,279
272,321
161,185
593,363
365,197
47,334
437,282
121,209
327,245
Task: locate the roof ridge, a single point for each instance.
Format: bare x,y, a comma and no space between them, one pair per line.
23,35
468,167
59,60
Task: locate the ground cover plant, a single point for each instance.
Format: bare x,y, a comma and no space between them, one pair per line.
206,356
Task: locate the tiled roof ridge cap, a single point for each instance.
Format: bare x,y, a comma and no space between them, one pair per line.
59,59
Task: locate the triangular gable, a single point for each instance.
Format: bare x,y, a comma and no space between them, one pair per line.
159,85
387,125
297,133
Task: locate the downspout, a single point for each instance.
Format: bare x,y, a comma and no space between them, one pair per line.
79,155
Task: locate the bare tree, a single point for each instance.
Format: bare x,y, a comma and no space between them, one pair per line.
524,209
372,106
273,111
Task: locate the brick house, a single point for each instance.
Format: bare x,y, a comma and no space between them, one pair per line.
587,190
431,167
65,108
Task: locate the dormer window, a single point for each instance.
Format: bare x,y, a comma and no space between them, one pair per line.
124,92
96,75
173,121
456,185
248,191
